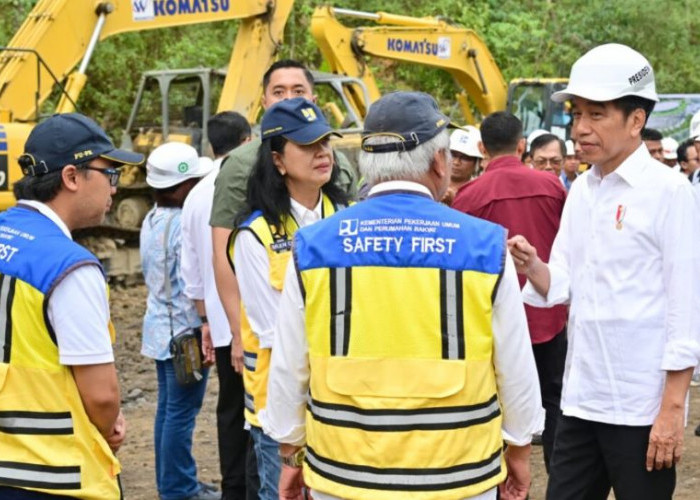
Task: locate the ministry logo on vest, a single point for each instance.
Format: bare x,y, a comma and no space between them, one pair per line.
348,227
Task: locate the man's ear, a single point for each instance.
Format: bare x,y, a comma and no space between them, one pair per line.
439,164
637,120
482,149
522,146
69,176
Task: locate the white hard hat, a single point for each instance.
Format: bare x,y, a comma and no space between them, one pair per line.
669,145
175,162
466,141
534,135
609,72
570,150
695,126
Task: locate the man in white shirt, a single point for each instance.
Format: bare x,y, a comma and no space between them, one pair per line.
379,320
59,396
623,259
225,131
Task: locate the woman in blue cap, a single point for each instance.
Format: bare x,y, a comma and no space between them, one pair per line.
291,186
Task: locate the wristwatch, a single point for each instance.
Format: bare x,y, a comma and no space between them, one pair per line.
204,319
296,459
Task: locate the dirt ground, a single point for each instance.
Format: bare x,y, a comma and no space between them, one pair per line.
139,392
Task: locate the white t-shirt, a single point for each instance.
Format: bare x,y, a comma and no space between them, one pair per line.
196,259
78,309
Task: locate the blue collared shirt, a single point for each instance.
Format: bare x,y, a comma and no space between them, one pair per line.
156,321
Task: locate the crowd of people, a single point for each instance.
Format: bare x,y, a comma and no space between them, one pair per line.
404,333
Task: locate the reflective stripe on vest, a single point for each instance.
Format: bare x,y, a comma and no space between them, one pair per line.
32,422
39,476
341,300
248,400
7,292
451,315
250,360
403,479
453,417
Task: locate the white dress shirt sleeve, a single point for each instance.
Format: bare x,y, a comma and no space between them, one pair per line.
189,264
559,277
678,235
516,373
82,331
288,384
259,298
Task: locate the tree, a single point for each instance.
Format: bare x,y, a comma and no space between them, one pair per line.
528,38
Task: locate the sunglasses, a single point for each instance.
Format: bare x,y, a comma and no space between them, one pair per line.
112,173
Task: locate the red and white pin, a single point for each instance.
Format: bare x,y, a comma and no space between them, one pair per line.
620,216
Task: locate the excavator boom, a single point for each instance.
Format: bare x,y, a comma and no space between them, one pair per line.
63,33
59,35
426,41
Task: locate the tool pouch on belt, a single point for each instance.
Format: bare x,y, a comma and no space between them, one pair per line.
186,348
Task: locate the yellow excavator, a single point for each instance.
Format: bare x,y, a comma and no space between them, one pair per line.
438,43
58,34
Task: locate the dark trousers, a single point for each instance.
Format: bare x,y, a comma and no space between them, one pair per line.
232,437
9,493
591,457
549,358
252,478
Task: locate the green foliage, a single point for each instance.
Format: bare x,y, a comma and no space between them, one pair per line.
527,38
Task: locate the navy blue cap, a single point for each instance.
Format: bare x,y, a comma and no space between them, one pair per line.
297,120
411,117
67,139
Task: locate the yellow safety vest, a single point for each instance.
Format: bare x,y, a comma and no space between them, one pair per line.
256,360
403,392
47,441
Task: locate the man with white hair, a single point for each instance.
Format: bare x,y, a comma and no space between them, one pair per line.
402,319
622,259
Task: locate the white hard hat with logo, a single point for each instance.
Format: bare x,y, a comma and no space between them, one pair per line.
608,72
695,127
534,135
669,145
465,140
175,162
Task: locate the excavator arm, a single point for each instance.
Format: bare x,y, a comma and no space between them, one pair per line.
428,41
58,34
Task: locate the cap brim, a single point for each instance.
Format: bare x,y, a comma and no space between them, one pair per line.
310,135
124,157
466,152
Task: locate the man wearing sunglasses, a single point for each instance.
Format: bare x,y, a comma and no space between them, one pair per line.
60,395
